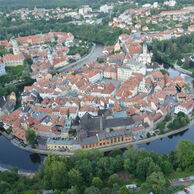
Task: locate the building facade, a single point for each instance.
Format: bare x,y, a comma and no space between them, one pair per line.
106,139
13,60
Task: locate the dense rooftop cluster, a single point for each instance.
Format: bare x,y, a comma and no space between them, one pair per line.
104,101
47,51
165,23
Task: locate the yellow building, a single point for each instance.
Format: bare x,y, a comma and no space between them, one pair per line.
117,47
106,139
181,97
62,144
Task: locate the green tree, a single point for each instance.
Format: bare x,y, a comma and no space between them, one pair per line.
3,51
115,187
142,168
163,71
28,61
73,190
9,130
156,181
106,190
166,167
114,178
4,187
54,172
100,60
130,160
92,190
161,125
97,182
31,137
185,154
123,190
167,118
145,187
74,177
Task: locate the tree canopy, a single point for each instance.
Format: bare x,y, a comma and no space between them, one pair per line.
92,172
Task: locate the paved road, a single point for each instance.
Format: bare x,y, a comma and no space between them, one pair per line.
178,68
95,53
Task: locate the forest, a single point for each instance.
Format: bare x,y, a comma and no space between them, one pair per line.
173,50
99,33
17,4
92,172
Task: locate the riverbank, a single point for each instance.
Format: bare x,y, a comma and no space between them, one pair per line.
71,65
143,141
181,70
103,149
20,172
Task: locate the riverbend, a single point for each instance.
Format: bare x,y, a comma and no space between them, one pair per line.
13,156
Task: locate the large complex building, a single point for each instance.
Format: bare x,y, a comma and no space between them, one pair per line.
13,60
125,71
62,144
106,139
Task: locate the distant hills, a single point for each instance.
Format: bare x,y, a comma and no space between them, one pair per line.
13,4
16,4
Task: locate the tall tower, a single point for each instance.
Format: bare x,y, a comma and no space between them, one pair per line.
145,49
50,57
16,50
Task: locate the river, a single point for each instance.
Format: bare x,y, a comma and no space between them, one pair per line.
11,156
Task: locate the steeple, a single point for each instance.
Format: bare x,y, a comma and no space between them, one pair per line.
145,49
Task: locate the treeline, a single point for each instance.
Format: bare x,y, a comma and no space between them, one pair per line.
183,2
99,33
90,172
17,4
169,51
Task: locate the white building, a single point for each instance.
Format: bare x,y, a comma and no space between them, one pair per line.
124,72
147,5
13,60
2,69
145,57
85,10
16,50
155,5
105,8
186,107
143,88
170,3
87,109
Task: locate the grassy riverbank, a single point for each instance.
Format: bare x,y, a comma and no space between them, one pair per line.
180,174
